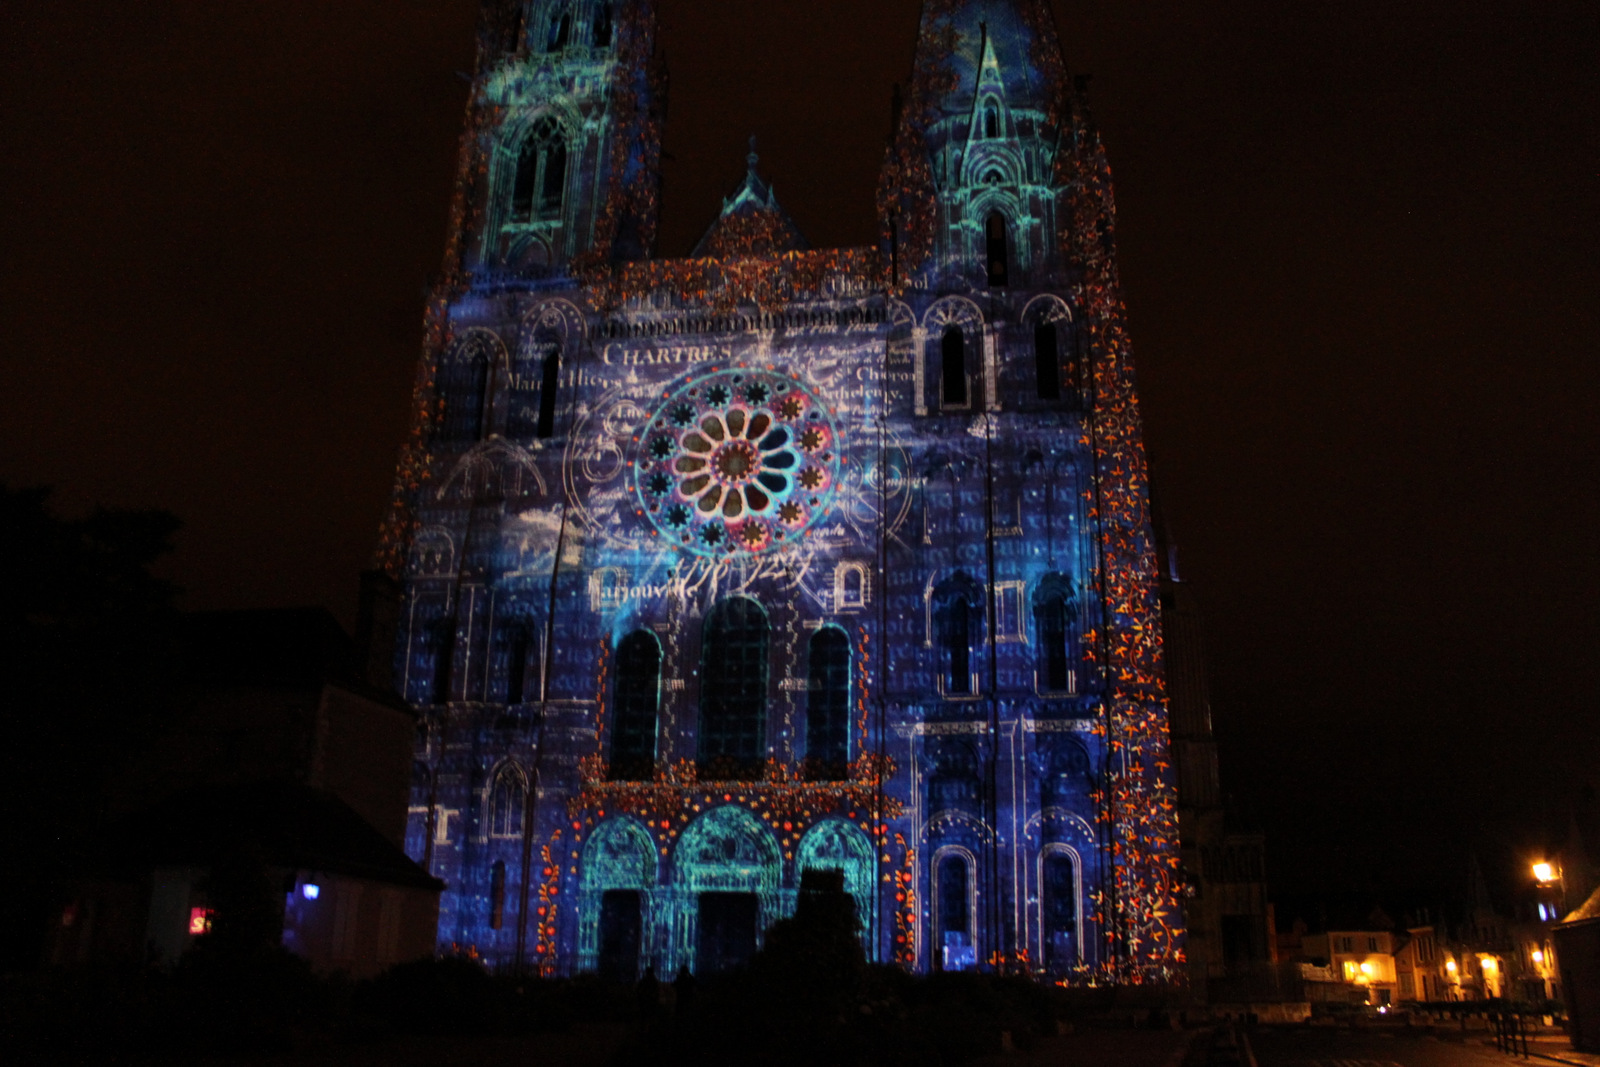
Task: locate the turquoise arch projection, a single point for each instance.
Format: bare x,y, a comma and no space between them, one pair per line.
713,571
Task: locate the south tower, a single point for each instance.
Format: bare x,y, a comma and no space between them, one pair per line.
719,570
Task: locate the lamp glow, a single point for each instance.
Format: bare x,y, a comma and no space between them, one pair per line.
1450,965
1367,968
311,891
1545,873
1538,956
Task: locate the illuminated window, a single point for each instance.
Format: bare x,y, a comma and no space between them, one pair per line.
602,26
497,895
1046,361
539,185
200,921
733,689
547,393
506,801
828,704
994,232
560,31
953,367
1052,621
637,697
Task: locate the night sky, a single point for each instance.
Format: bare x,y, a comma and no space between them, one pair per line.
1361,253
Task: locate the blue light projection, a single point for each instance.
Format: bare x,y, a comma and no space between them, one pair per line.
722,569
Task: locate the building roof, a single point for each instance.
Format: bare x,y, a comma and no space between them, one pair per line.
290,825
1587,911
751,223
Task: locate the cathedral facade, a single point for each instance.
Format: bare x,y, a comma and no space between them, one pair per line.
722,570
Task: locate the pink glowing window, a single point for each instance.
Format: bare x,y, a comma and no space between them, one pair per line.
199,921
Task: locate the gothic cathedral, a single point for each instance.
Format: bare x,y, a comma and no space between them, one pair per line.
778,565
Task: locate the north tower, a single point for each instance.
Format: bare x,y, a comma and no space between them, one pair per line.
722,569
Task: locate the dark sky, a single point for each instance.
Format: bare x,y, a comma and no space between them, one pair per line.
1361,255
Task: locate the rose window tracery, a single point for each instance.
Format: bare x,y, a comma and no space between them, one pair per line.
739,461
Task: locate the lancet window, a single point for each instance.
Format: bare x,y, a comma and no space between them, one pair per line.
1052,621
560,30
828,704
637,702
733,689
506,801
602,26
539,184
995,244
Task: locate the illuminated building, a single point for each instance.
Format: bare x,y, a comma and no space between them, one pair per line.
715,570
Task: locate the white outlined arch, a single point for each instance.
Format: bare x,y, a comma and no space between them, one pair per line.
433,553
940,854
1056,848
505,769
493,458
1049,307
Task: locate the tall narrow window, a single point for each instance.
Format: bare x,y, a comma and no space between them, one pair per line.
636,699
547,393
955,642
602,26
1047,361
991,121
464,387
733,689
540,179
1052,619
953,366
954,883
994,232
497,895
517,29
828,705
560,31
506,801
443,640
519,647
1058,911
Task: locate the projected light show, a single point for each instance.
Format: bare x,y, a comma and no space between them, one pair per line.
719,570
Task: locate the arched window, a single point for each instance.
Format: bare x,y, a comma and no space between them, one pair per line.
733,689
828,705
602,26
955,644
1052,622
497,895
517,641
636,699
954,888
442,640
464,387
991,121
547,393
953,367
1046,360
506,801
540,181
994,232
560,30
1058,911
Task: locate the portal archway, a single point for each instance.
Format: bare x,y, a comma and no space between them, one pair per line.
726,876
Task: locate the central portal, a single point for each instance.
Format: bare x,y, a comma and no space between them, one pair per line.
728,926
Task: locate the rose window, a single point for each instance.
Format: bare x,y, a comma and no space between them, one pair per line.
740,461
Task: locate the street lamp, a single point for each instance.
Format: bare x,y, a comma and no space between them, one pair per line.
1545,873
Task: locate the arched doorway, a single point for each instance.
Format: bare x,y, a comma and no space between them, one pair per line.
727,869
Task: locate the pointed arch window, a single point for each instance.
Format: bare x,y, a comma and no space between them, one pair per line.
828,705
637,699
538,187
550,380
1053,616
991,120
997,254
1047,360
733,689
602,26
506,801
953,367
560,30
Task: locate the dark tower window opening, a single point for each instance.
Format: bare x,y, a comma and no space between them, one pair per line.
828,705
518,644
506,801
1052,619
602,26
954,887
1058,911
955,645
560,31
1046,361
497,895
637,702
547,394
953,367
443,640
994,232
518,30
541,172
465,389
733,690
991,121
